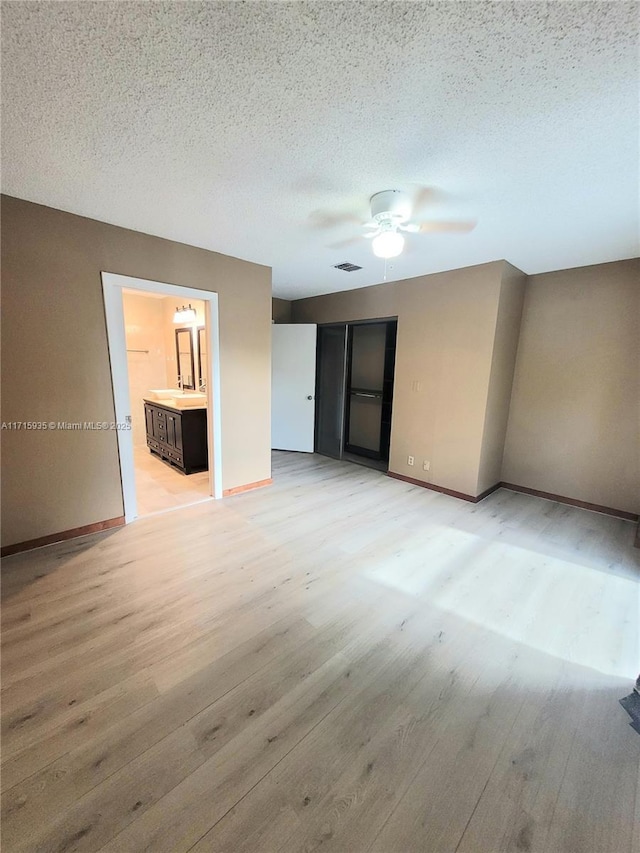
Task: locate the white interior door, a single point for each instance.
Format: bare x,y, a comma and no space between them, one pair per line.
293,382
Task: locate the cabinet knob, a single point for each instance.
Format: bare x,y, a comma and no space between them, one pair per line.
309,397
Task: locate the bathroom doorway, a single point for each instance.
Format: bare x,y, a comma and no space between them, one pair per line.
163,356
163,345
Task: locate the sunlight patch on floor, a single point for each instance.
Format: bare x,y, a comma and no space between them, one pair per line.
531,598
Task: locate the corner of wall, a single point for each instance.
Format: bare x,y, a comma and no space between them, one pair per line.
573,422
281,310
503,362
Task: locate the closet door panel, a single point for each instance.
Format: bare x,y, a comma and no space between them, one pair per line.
330,389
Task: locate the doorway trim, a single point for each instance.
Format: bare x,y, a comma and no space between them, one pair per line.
112,287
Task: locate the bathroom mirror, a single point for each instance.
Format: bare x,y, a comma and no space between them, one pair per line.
203,382
184,358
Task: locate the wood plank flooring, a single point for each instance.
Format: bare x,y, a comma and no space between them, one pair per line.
339,662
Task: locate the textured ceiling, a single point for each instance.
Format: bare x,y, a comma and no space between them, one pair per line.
226,125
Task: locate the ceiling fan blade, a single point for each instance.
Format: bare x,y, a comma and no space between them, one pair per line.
447,226
425,196
341,244
326,219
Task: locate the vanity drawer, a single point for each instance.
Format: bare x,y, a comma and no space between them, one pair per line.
166,452
159,421
173,456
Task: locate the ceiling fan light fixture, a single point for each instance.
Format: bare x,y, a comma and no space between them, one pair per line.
388,244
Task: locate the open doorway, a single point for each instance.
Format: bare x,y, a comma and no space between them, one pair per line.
163,345
169,443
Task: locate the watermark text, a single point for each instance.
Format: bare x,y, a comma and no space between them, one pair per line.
51,426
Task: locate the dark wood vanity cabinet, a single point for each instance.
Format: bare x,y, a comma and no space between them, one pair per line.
178,436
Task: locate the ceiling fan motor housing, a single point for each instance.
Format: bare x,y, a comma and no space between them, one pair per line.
392,206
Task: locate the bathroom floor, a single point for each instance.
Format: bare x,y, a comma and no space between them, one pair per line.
160,487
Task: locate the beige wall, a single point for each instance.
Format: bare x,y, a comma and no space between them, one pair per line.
55,364
503,361
574,419
445,348
144,324
281,310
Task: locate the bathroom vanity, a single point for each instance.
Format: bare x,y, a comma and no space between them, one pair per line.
178,435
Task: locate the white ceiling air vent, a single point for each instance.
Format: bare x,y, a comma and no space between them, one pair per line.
347,267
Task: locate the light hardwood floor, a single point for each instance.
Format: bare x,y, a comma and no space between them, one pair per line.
340,661
160,487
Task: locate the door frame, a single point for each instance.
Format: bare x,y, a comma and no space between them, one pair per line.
112,286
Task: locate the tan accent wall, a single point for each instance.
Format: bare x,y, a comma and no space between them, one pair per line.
575,411
503,361
445,357
280,310
55,363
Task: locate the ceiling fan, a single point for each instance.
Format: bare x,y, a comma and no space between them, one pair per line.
391,215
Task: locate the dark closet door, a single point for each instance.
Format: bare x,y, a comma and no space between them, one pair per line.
371,362
330,384
387,388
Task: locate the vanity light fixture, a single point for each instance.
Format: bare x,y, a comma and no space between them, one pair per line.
185,315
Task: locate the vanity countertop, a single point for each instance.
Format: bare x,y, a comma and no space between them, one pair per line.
164,404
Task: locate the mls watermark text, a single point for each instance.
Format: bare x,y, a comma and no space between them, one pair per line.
62,426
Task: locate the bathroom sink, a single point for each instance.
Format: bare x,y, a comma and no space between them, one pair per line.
163,393
184,400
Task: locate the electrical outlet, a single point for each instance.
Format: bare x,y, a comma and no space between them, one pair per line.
426,465
410,460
